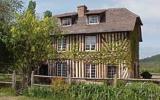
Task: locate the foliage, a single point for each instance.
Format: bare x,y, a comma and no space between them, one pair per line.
150,64
121,83
146,75
31,42
132,91
59,85
47,13
106,55
32,6
41,92
6,57
8,10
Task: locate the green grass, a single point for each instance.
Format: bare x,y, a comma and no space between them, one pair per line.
7,92
133,91
150,68
10,94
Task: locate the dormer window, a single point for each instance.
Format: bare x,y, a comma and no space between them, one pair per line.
66,22
93,19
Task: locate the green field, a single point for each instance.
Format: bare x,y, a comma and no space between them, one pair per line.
151,64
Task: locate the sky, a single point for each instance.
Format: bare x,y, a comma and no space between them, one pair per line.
148,10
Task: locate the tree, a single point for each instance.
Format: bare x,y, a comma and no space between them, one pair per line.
8,9
32,6
47,13
31,42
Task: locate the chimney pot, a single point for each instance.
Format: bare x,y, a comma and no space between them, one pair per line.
82,9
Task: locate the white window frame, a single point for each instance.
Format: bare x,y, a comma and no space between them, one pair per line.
90,70
61,44
91,17
90,41
112,70
61,69
66,19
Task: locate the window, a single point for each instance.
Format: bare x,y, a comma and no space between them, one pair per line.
111,71
62,44
61,69
90,70
90,43
94,19
66,22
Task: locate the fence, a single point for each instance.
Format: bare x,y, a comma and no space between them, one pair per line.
156,75
92,80
12,81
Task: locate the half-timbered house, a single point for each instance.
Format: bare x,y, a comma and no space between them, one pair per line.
97,44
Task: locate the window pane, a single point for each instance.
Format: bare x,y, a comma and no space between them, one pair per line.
59,45
87,67
58,69
90,42
64,69
93,19
61,69
87,47
66,21
93,47
90,70
111,71
93,71
62,44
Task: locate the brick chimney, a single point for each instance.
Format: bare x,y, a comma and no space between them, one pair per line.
82,9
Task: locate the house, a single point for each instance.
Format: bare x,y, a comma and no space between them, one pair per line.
97,44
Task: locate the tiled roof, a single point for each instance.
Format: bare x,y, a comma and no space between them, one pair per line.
116,19
95,11
66,14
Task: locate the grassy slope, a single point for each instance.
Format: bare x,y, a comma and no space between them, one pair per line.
151,64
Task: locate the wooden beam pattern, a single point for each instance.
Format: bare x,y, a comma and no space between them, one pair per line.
108,40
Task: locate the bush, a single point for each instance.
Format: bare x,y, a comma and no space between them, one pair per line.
146,75
59,85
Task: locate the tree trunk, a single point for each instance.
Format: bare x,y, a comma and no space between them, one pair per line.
26,79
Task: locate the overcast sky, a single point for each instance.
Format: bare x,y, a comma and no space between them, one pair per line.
148,10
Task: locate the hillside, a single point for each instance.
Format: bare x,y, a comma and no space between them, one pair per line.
151,64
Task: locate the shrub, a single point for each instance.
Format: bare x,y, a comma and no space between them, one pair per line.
146,75
59,85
